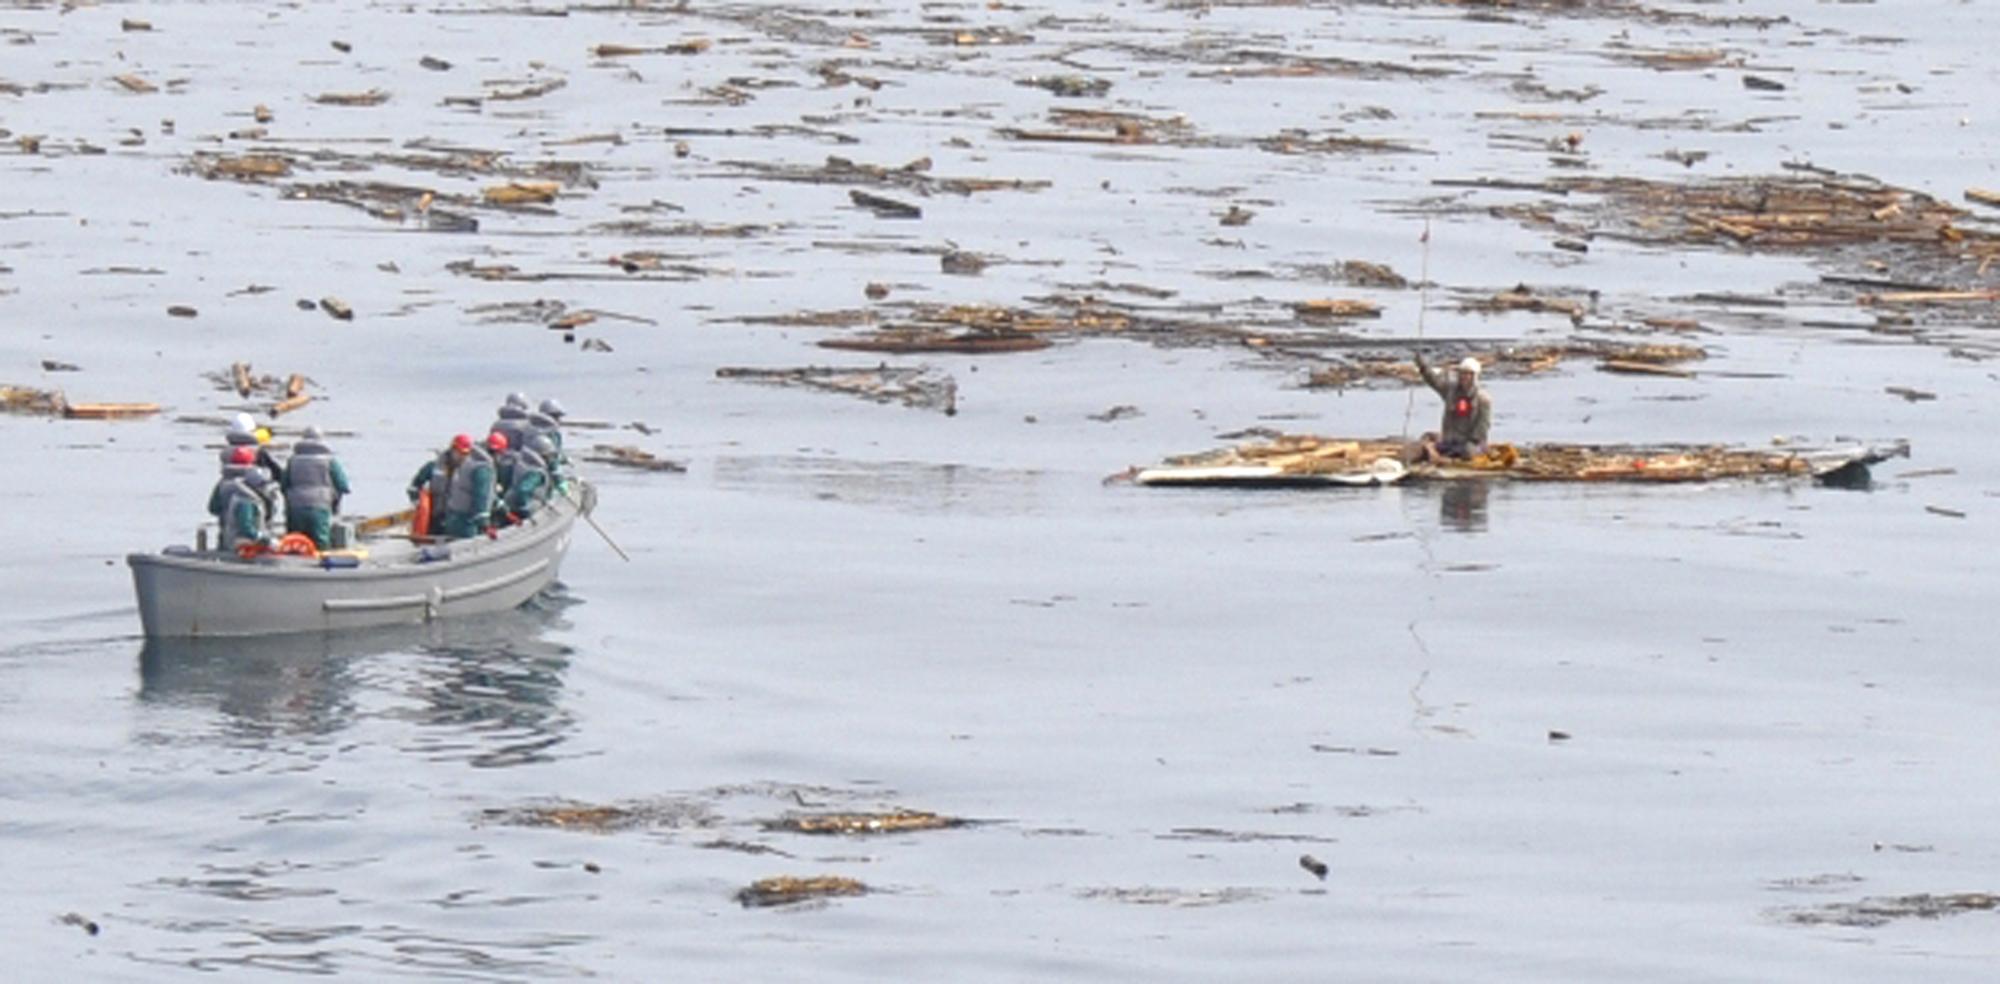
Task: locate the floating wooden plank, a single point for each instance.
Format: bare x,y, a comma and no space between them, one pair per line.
1337,308
109,411
522,193
1925,297
888,208
376,524
134,83
1631,367
289,404
967,343
626,456
373,97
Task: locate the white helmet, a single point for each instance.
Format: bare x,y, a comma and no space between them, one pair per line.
1469,364
242,424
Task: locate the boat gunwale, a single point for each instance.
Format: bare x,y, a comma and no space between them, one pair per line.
497,549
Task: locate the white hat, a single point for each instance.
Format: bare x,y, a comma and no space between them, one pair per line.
1469,364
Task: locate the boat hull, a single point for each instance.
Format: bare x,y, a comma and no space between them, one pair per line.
188,595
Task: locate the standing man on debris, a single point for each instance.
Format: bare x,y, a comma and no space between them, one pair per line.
1468,413
314,483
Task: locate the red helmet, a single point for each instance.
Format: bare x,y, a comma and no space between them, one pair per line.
496,441
243,454
462,442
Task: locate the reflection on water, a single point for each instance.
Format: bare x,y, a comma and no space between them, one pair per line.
492,705
492,677
922,486
1462,506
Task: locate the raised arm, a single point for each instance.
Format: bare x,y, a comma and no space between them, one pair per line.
1430,375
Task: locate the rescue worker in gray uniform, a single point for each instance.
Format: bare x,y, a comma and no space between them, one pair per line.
314,483
548,426
547,421
243,434
546,451
436,475
513,421
238,504
467,505
1468,413
524,481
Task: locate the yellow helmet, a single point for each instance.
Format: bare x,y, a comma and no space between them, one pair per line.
263,435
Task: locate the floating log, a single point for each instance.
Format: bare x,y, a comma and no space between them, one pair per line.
109,411
766,892
289,404
522,193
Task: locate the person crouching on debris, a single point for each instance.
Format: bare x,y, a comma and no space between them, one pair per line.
314,483
1468,413
237,502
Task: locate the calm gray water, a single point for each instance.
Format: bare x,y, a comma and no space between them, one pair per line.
1778,699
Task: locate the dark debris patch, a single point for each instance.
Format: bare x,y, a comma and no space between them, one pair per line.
1184,898
603,818
786,890
1872,912
896,822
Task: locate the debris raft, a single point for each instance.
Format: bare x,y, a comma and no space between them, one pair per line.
1786,213
1283,457
36,402
786,890
862,824
918,387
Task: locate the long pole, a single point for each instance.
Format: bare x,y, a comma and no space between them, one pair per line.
1423,308
608,541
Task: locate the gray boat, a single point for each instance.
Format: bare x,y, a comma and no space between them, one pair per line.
386,577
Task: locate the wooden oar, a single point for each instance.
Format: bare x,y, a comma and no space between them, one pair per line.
376,524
